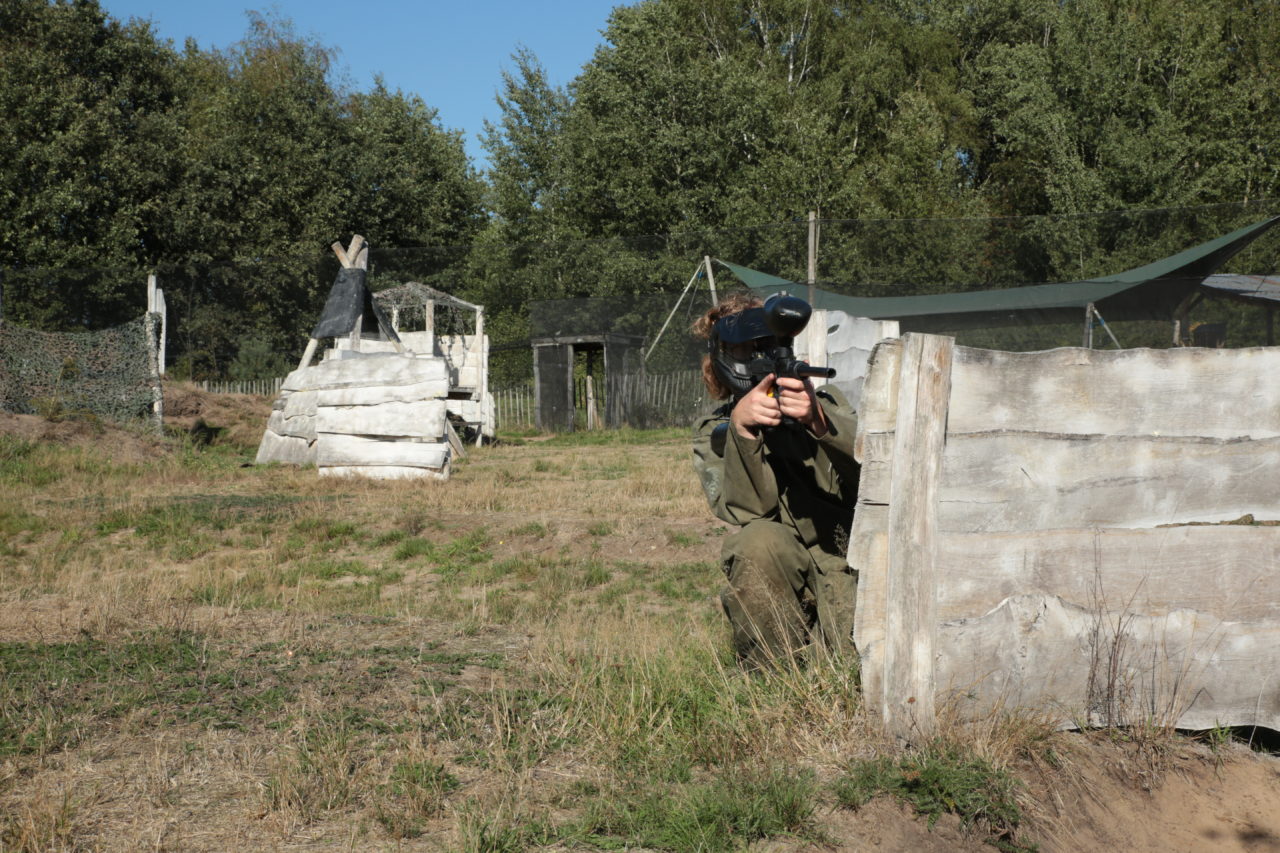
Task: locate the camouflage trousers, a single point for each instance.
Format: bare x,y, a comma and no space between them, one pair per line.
784,600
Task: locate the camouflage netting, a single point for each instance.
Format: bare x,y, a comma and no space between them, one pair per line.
408,302
108,373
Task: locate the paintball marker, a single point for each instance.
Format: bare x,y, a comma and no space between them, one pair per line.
786,317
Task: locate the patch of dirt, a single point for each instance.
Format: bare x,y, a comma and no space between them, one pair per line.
1191,800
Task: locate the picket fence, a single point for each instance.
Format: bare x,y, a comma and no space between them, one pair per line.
263,387
669,399
651,400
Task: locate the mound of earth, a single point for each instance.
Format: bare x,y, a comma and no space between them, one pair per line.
220,418
119,444
209,418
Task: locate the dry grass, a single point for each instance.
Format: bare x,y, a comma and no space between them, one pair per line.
200,655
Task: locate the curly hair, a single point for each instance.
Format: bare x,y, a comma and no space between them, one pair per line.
732,303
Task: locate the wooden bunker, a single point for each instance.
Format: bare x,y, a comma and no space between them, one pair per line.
379,403
1089,534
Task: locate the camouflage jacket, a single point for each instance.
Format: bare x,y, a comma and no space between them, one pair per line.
787,475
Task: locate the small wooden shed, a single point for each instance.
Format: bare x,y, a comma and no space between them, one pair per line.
553,376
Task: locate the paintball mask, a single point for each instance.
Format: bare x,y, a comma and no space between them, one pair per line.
749,326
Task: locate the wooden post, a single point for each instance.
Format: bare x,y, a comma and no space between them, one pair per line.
593,420
429,325
907,700
156,305
1088,327
156,345
308,354
482,390
813,254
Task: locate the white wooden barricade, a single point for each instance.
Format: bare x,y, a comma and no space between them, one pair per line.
1088,533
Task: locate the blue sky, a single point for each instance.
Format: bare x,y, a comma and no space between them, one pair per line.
450,52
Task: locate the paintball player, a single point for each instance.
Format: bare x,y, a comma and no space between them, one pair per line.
777,461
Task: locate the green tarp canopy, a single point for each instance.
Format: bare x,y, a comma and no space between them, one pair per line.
1151,292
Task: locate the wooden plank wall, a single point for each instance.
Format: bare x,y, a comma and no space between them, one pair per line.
836,339
1100,542
373,415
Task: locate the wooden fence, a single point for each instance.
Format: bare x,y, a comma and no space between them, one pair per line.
1091,534
263,387
668,399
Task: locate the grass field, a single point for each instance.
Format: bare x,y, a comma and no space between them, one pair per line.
201,654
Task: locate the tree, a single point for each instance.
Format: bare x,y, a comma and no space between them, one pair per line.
87,159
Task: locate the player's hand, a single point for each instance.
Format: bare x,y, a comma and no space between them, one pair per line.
756,410
797,401
772,398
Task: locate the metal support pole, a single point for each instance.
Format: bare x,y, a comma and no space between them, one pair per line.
674,308
711,279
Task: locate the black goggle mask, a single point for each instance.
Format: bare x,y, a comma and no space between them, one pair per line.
745,327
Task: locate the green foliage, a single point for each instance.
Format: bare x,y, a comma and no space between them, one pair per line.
183,528
225,171
937,781
414,547
258,359
78,88
536,529
20,463
625,435
724,814
911,127
417,790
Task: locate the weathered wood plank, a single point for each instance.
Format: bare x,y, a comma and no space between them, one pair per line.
422,419
1017,481
1226,570
868,538
285,449
869,556
386,472
352,450
299,427
1181,391
378,395
1056,589
1086,667
371,369
907,701
879,403
300,404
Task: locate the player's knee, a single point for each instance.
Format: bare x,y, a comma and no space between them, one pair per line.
762,545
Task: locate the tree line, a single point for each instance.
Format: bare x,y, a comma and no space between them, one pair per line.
699,126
